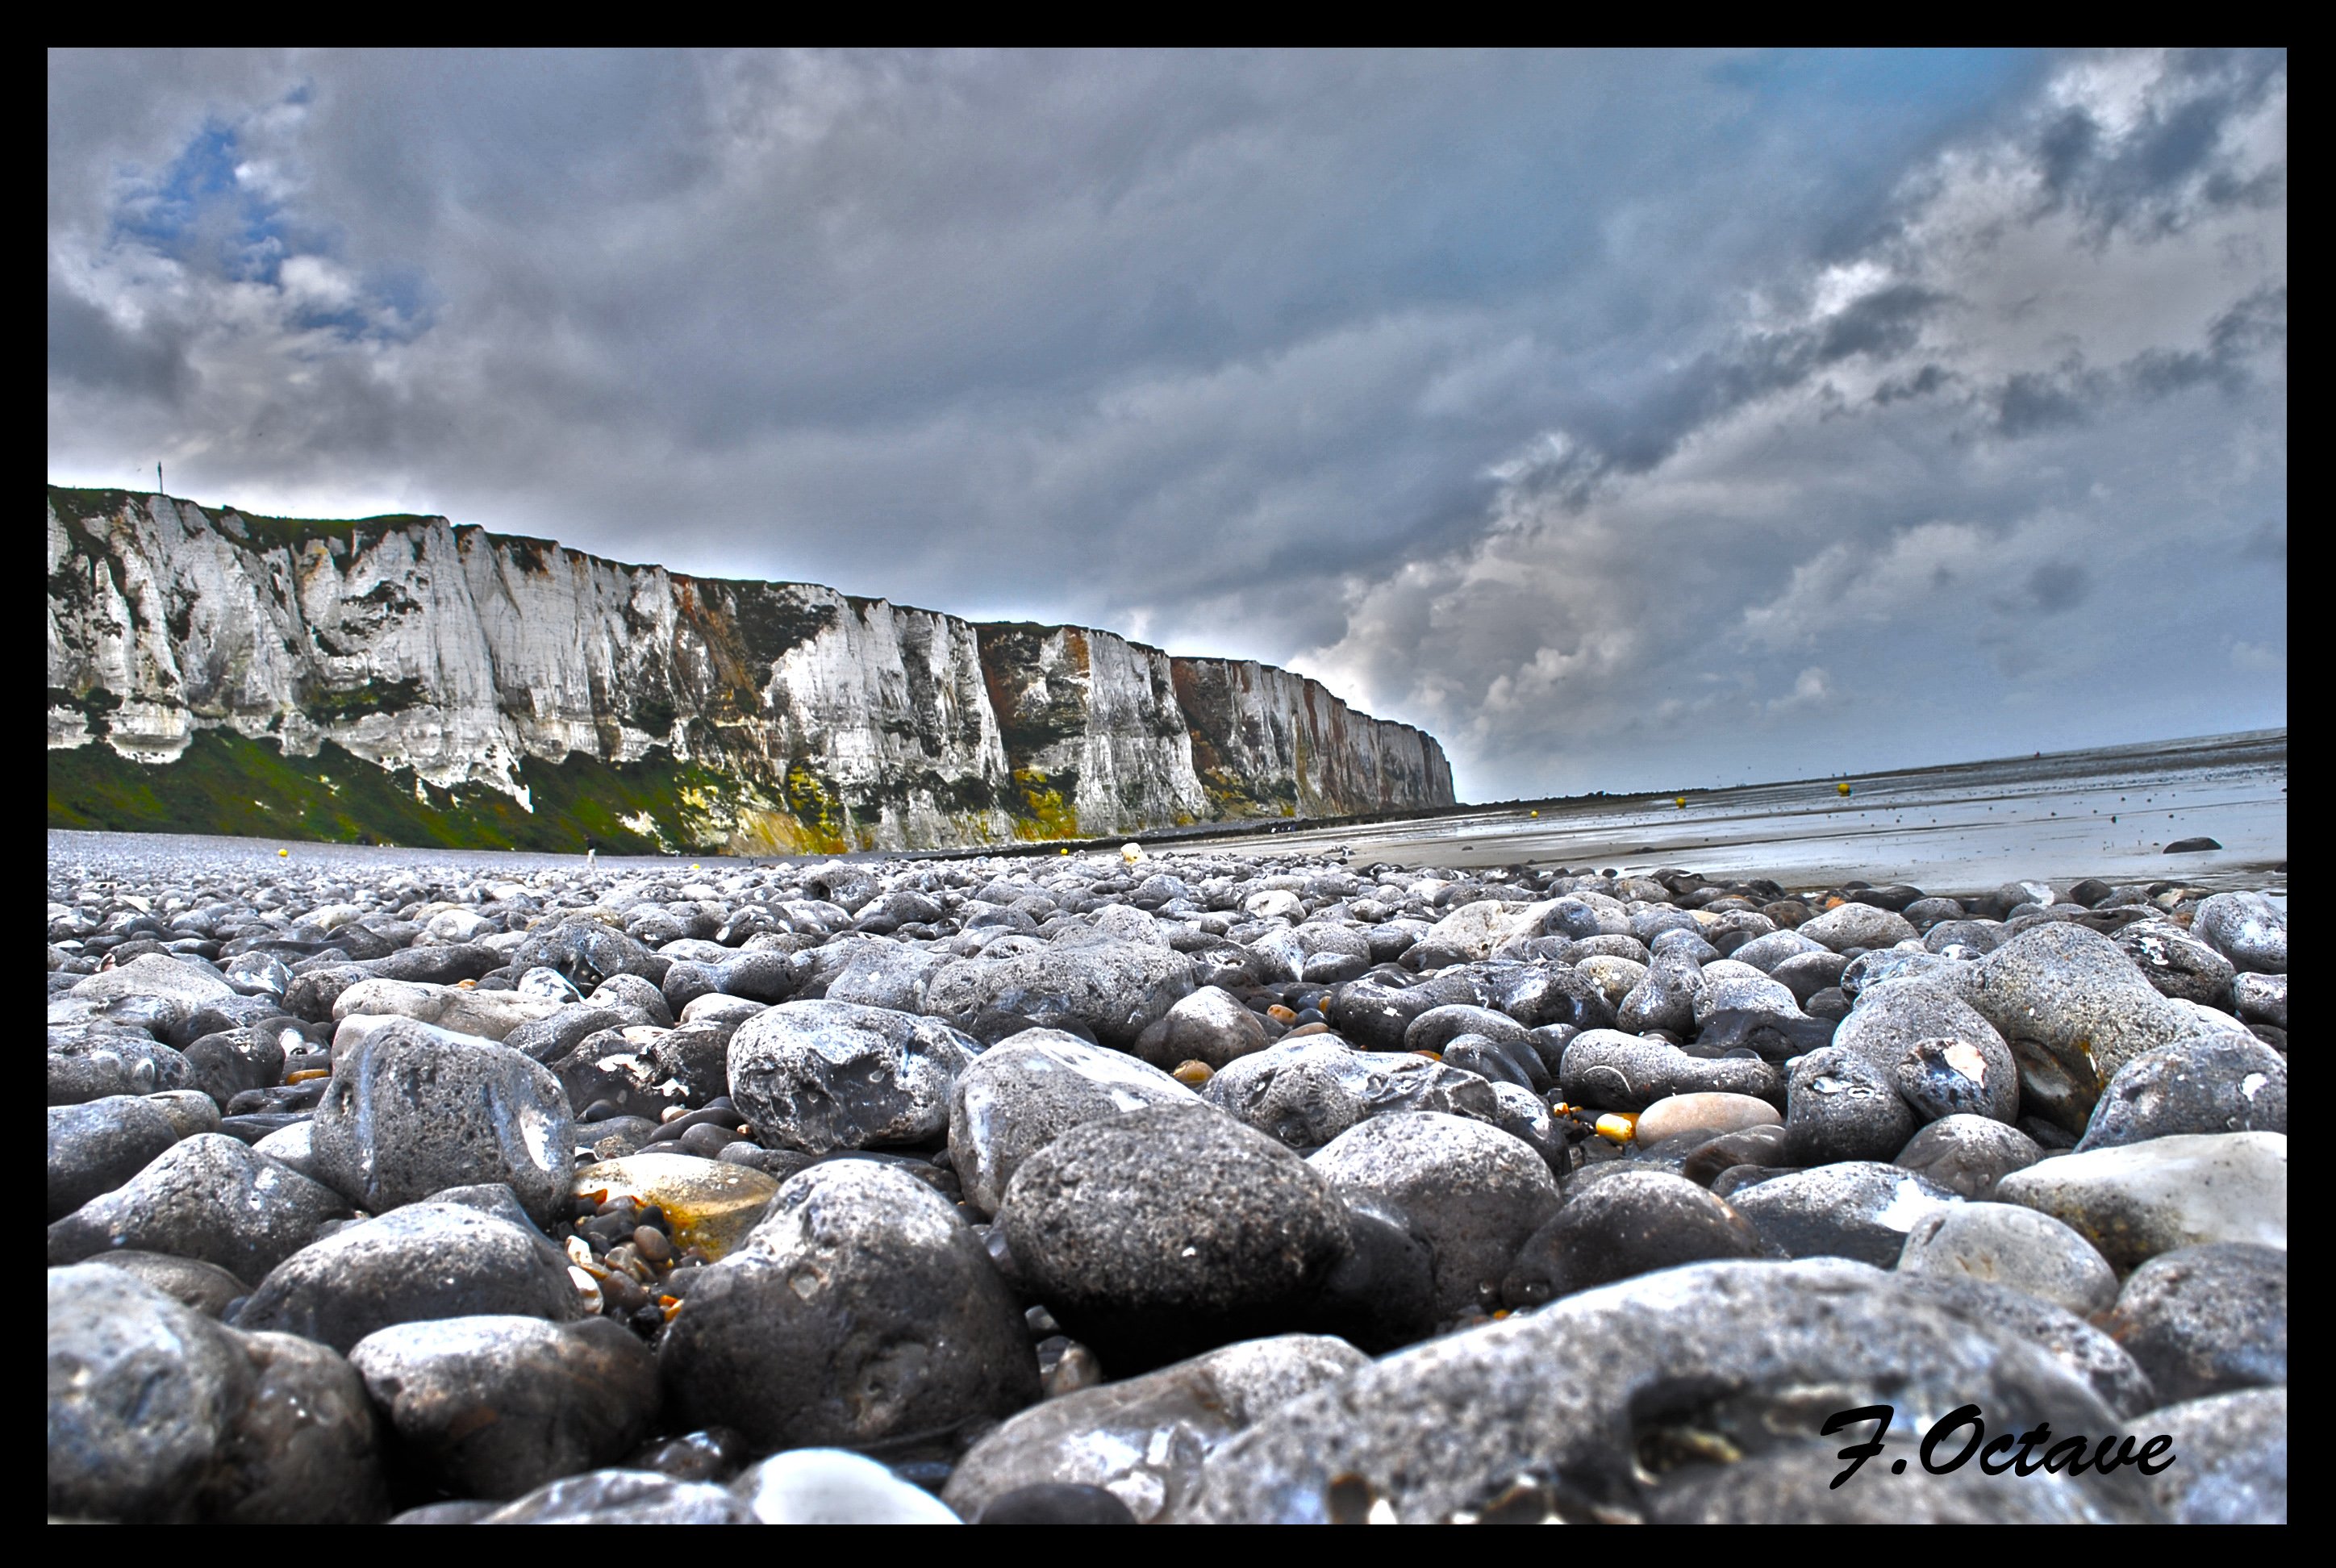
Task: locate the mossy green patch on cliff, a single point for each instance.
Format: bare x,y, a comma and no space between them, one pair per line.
226,783
1048,809
820,809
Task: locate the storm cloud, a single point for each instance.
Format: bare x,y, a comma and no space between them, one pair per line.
1628,421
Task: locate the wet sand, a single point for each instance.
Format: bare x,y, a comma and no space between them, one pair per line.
1965,828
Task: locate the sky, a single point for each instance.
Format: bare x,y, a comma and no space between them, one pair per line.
1626,420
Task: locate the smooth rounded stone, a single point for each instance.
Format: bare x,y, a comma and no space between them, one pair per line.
1157,1233
1511,1062
2177,963
353,1031
1606,944
1026,1091
1950,1078
414,1264
584,951
884,974
1437,1026
142,1393
494,1406
2071,991
1772,1037
1807,974
2262,999
710,1205
257,974
1210,1026
2206,1320
313,990
441,964
1380,1295
182,986
1050,1504
1665,999
1840,1108
1614,978
1613,1071
98,1144
1750,1149
635,994
1538,997
1854,925
1474,1192
624,1497
1474,929
1729,986
1116,988
1856,1209
209,1197
860,1309
406,1115
555,1033
695,1056
1905,962
834,1486
1624,1223
1975,1072
205,1286
1765,952
190,1111
2232,1458
1980,936
2139,1200
1563,1400
292,1146
93,1062
1307,1091
490,1015
819,1076
2219,1083
224,1064
2247,929
305,1448
2071,1339
2006,1244
1968,1154
1373,1014
1142,1440
543,982
718,1008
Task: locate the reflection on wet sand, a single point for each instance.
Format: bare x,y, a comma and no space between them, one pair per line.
2107,813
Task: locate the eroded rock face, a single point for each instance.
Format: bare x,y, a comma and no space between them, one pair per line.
825,722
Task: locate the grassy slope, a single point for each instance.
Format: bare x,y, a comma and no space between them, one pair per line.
225,783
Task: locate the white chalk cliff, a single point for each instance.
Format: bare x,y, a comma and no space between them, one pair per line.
830,721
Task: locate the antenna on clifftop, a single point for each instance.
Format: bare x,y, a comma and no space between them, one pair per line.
158,478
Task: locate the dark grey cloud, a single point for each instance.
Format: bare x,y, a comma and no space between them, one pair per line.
1496,388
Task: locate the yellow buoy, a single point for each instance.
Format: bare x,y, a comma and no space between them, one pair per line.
1680,802
1532,814
284,854
1842,787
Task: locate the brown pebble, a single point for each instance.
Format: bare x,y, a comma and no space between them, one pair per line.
1280,1015
653,1246
1193,1074
1317,1028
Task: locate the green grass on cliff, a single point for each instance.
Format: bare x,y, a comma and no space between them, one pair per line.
226,784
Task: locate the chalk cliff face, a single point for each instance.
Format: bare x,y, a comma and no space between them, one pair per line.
801,718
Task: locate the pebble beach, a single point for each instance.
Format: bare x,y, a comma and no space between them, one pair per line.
1223,1183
